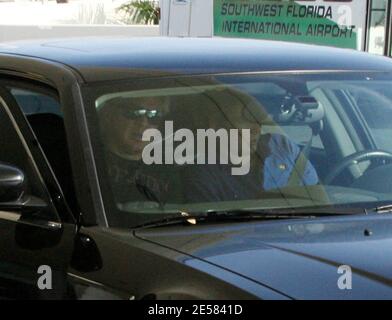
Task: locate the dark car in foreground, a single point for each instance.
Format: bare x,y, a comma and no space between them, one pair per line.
194,169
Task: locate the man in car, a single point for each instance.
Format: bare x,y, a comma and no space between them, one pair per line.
123,122
273,158
275,161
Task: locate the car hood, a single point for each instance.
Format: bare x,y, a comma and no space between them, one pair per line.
327,258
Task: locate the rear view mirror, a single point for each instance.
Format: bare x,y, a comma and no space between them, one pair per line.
12,183
300,110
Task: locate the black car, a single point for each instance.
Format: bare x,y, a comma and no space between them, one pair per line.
194,169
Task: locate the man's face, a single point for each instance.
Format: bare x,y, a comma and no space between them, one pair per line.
129,123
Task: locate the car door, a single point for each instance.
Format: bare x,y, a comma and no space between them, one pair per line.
36,230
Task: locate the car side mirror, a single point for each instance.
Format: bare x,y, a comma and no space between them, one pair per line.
13,192
12,183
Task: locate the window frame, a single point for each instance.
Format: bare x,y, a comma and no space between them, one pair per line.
93,90
68,82
32,146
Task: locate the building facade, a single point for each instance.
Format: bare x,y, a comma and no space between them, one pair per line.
358,24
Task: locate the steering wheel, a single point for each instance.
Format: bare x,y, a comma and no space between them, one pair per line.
356,158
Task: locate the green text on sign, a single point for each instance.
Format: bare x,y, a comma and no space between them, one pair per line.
282,20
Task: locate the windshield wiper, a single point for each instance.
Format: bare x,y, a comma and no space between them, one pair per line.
180,218
251,214
383,209
316,211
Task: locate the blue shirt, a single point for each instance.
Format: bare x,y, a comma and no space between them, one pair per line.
278,157
279,165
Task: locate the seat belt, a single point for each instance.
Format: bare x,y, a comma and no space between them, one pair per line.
296,177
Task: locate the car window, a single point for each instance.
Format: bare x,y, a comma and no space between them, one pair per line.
374,103
44,114
36,103
222,142
15,153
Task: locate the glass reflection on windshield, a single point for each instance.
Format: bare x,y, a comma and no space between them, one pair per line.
252,141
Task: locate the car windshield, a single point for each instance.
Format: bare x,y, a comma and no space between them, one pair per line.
237,142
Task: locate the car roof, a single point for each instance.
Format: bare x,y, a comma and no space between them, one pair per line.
101,59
